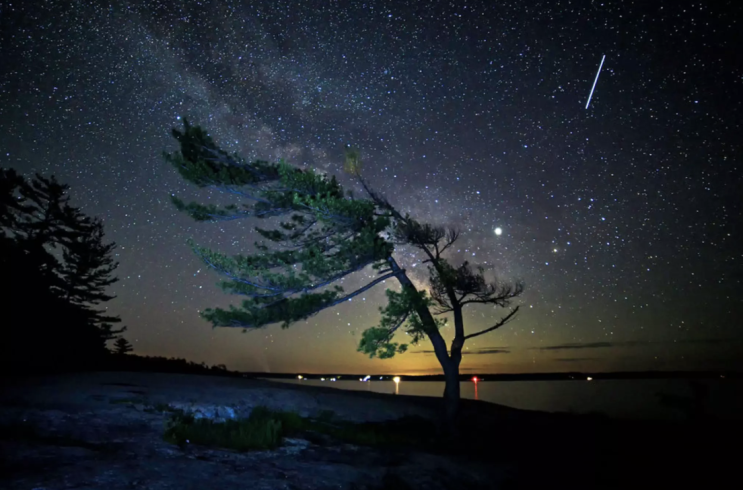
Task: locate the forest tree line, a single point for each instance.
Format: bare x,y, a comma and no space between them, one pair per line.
55,270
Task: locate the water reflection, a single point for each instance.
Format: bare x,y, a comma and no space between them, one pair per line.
616,398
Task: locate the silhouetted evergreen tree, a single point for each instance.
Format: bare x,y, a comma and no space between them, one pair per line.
325,236
55,267
122,346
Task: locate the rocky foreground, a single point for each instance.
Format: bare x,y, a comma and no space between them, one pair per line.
104,431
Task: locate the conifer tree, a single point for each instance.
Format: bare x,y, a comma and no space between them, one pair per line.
318,237
56,255
122,346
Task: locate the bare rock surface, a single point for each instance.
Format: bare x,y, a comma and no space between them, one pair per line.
100,431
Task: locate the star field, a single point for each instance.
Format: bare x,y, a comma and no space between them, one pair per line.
622,219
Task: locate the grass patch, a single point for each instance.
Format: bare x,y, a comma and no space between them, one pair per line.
265,429
261,430
406,431
326,416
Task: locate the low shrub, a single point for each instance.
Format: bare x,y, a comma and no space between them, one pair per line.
265,429
261,430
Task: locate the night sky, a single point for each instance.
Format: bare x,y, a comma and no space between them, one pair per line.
623,219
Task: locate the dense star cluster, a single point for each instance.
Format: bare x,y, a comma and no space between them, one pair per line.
623,220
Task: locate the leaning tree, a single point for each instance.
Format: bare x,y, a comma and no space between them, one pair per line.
315,235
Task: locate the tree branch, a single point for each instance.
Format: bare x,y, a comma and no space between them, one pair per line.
278,291
370,285
399,323
335,302
497,325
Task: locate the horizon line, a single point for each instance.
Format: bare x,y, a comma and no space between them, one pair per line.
480,373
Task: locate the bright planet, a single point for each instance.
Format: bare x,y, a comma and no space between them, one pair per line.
498,231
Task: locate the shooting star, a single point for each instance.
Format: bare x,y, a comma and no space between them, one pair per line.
594,82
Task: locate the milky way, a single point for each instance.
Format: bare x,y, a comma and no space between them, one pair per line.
623,220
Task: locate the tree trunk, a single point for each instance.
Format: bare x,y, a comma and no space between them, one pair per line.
451,399
449,364
451,375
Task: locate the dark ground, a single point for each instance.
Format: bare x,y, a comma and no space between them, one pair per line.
94,430
579,452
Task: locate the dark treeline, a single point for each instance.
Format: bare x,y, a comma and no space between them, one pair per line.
54,271
55,268
158,364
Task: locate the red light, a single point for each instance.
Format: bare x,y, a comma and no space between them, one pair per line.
474,379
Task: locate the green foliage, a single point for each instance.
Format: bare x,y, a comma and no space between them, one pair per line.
376,342
401,311
265,429
406,431
285,311
291,422
261,430
353,161
326,416
203,163
325,237
200,212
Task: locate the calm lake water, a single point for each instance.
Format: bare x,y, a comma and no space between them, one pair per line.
615,398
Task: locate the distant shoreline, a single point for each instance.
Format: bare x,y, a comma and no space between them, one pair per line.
139,363
576,376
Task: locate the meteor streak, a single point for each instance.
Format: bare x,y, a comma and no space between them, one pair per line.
594,82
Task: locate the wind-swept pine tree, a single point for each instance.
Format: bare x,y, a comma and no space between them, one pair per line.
319,236
54,255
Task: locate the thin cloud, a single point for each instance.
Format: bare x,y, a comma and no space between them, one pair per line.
591,345
485,350
630,343
707,341
576,359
